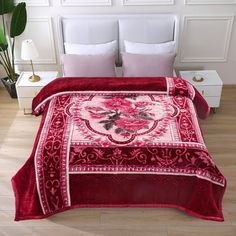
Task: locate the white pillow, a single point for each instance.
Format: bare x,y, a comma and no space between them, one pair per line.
141,65
90,49
101,65
148,48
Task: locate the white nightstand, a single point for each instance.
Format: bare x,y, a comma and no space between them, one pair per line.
27,90
210,87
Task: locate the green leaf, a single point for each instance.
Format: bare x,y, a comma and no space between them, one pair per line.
18,20
118,130
108,126
6,6
104,121
3,41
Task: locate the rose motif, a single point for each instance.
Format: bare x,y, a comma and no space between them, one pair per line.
96,115
142,104
129,110
122,118
125,134
94,109
131,124
116,103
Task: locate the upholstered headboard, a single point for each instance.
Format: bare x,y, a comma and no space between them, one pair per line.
94,29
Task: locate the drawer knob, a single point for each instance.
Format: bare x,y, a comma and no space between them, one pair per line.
202,92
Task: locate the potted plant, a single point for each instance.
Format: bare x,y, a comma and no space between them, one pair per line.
7,40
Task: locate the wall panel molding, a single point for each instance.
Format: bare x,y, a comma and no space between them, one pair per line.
86,2
44,41
199,32
35,2
147,2
209,2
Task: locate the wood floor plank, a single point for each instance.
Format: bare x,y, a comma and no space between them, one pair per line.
15,231
64,231
204,231
154,219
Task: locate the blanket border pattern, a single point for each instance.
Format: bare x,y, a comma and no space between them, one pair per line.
53,185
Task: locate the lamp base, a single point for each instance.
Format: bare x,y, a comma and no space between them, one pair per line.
34,78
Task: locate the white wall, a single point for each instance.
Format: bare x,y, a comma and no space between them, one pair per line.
207,30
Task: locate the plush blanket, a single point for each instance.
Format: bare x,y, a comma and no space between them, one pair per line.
119,142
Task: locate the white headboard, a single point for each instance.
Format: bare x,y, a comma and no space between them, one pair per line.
93,29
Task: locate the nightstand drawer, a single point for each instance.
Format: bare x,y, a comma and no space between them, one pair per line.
210,86
25,103
28,92
209,91
213,101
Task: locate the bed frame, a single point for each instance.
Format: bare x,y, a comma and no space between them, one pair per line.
94,29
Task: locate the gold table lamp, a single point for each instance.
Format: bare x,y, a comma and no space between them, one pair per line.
29,52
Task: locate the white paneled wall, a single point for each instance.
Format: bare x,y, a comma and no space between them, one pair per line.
207,29
35,2
86,2
40,30
206,38
148,2
210,1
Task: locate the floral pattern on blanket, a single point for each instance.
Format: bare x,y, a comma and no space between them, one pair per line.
122,118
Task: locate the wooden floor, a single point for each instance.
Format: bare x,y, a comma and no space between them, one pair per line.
17,134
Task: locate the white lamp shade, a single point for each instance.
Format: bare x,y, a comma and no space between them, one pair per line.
28,50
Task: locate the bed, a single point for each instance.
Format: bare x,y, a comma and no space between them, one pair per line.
119,142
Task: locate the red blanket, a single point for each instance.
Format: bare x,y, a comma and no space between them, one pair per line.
119,142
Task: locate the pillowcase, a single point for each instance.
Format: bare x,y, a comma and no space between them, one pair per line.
90,49
102,65
148,48
140,65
